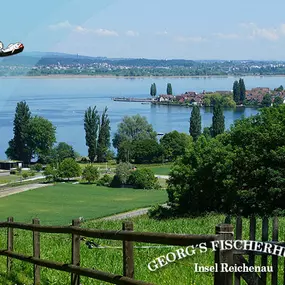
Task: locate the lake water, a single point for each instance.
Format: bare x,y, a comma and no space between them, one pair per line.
64,100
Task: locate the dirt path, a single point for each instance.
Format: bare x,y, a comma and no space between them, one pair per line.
130,214
18,189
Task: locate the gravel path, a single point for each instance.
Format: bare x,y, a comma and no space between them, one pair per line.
18,189
126,215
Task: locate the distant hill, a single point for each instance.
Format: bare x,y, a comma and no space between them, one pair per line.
49,58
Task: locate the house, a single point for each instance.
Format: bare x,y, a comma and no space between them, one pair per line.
10,164
257,94
166,98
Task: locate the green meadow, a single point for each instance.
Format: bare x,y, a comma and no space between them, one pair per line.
59,204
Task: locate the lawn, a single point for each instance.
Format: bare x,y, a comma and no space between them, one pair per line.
181,272
61,203
158,169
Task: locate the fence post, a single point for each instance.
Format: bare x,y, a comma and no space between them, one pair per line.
36,253
225,232
10,244
75,279
128,252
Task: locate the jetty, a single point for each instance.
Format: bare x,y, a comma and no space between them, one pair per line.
125,99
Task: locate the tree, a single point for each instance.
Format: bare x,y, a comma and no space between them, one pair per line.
242,90
90,173
91,125
146,151
169,89
41,136
278,101
195,123
153,90
218,125
103,137
266,101
279,89
50,173
236,92
123,172
129,130
174,144
143,179
69,168
63,151
18,146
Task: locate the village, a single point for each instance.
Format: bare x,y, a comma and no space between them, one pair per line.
253,96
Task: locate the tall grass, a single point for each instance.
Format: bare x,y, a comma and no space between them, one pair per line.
58,248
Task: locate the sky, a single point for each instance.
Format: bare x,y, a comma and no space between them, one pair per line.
160,29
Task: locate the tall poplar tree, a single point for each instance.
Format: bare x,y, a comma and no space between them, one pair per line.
91,125
242,90
153,90
18,146
169,89
103,137
218,120
195,123
236,92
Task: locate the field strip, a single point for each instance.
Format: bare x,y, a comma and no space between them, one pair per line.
19,189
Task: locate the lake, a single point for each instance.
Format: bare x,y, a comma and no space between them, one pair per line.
64,100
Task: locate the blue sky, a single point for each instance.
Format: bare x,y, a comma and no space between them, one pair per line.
204,29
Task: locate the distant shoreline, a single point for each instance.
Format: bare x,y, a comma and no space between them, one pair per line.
61,76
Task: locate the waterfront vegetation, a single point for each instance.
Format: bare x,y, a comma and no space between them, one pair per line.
58,248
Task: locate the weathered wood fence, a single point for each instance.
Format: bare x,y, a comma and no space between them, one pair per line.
128,237
253,278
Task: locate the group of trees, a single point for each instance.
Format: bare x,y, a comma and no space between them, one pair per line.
226,100
136,141
217,127
97,134
240,171
239,91
142,178
34,136
153,90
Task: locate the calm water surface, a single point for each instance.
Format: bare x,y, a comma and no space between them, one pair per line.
64,100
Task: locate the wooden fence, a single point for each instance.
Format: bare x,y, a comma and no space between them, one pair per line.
128,236
254,278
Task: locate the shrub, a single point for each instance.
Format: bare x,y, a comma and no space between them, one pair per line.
123,172
37,167
25,175
13,172
106,180
69,168
116,182
32,173
160,212
90,173
143,179
50,173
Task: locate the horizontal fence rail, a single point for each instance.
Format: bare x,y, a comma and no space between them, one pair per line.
95,274
157,238
126,235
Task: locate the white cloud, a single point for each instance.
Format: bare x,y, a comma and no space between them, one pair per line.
131,33
104,32
60,25
226,36
82,30
190,39
271,34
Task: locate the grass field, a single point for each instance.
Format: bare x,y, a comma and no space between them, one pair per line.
58,248
61,203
